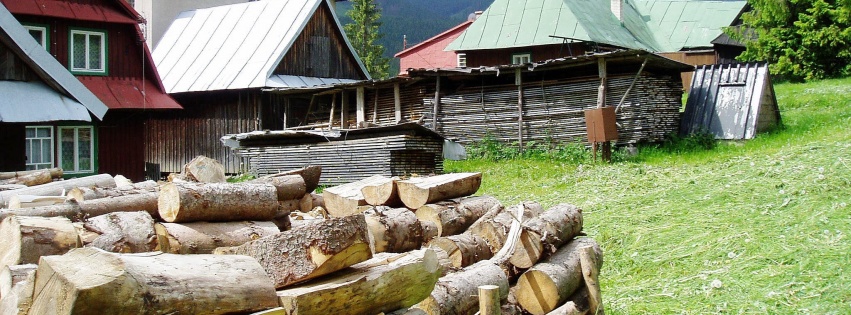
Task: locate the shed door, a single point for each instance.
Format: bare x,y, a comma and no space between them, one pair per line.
732,112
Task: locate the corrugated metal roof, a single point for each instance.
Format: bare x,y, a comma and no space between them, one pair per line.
126,93
34,101
432,39
654,25
49,70
77,10
293,81
231,47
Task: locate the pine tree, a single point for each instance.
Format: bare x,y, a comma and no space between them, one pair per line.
364,35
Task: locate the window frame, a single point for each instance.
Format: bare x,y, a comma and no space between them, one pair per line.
45,37
92,149
49,139
104,52
517,59
461,60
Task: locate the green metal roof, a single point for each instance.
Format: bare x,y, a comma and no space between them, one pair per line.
653,25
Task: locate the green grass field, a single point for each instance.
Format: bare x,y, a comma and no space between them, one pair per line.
769,219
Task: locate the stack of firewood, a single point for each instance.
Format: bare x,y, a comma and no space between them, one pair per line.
271,245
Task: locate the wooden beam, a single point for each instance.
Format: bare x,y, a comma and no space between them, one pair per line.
518,80
375,107
331,116
601,92
397,102
344,108
361,105
286,111
436,104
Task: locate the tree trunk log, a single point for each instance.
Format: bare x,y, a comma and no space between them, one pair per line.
301,254
20,298
489,300
494,227
123,232
310,174
85,209
382,193
344,200
463,249
204,170
551,282
91,193
310,201
590,272
385,283
54,173
11,275
301,223
544,234
429,230
56,188
417,192
289,187
7,187
25,239
205,237
577,304
152,283
190,202
29,201
455,293
393,230
31,179
454,216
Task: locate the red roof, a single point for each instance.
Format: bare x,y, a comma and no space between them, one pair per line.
437,37
126,93
117,12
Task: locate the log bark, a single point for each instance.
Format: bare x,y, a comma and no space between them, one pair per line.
429,231
382,192
29,201
310,201
301,223
417,192
494,226
54,173
463,249
455,293
190,202
150,283
454,216
91,208
204,237
123,232
11,275
25,239
31,179
577,304
544,234
56,188
90,193
288,187
393,230
489,300
301,254
310,174
344,200
590,273
205,170
20,298
551,282
384,283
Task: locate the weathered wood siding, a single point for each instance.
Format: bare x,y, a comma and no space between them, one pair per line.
320,51
496,57
12,68
120,150
701,57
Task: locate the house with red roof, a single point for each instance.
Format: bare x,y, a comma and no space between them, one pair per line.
101,44
432,53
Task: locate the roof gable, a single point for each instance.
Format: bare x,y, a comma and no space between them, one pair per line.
45,66
232,47
112,11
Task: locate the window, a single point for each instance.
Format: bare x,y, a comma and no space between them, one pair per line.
88,52
517,59
39,33
39,147
77,149
462,60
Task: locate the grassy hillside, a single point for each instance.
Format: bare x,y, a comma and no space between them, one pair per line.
768,218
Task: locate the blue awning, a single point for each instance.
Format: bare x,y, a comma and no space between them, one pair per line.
34,101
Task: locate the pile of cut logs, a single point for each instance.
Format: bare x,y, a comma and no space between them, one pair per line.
199,245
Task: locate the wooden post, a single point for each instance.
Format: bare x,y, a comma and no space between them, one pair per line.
397,102
331,116
344,107
361,106
601,102
518,80
436,104
489,300
590,272
375,107
286,111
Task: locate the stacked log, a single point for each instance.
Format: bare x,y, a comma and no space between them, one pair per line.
58,187
205,237
192,202
345,199
89,193
454,216
122,232
393,230
417,192
26,239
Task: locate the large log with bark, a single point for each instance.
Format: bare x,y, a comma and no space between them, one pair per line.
123,232
204,170
90,208
387,282
544,234
463,249
90,193
30,179
6,187
310,201
11,275
345,199
416,192
456,292
18,300
25,239
29,201
58,187
311,175
205,237
150,283
393,230
494,225
289,187
551,282
382,192
454,216
54,173
192,202
306,253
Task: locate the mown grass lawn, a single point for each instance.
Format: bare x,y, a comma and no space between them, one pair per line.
769,219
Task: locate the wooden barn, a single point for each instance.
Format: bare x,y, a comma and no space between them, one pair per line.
219,61
100,43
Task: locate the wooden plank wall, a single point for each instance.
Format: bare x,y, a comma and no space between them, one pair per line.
12,68
694,58
120,150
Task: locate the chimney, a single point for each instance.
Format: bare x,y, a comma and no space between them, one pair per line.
617,9
475,15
